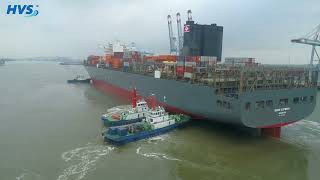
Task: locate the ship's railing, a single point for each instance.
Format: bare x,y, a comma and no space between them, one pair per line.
232,80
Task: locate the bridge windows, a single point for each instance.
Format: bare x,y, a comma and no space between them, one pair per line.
283,102
296,100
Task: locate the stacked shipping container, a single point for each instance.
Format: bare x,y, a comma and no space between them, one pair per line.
93,60
169,58
185,65
241,61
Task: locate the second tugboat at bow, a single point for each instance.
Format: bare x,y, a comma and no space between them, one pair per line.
134,114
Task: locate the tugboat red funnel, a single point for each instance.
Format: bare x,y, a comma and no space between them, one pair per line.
153,102
134,98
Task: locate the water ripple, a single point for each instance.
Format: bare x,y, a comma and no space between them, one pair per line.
156,139
82,160
160,156
28,174
303,133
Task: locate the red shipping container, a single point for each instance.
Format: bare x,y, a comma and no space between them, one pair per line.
118,54
180,70
188,58
196,59
116,63
188,69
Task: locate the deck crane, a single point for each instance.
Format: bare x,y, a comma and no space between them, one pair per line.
313,39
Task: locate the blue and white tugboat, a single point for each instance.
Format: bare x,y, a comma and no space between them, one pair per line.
120,116
79,79
156,121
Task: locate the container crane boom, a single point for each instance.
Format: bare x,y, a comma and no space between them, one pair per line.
313,39
306,41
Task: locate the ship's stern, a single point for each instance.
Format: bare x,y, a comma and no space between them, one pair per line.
269,110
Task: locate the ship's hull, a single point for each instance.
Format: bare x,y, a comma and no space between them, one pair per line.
119,140
201,101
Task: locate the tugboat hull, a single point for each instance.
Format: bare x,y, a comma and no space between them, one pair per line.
120,140
75,81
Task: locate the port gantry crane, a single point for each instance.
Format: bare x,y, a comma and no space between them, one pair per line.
172,39
313,39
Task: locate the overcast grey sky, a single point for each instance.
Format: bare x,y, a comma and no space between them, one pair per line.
74,28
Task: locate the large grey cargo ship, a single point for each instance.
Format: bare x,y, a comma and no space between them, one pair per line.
238,91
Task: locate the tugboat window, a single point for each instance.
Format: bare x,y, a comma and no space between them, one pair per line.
283,102
296,100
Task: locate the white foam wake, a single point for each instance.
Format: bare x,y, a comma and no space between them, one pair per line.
82,160
27,174
311,125
160,156
21,176
303,133
157,139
